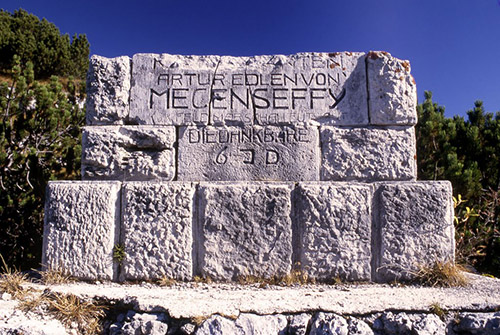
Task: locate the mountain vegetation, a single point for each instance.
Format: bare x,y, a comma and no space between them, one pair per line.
40,119
465,151
41,43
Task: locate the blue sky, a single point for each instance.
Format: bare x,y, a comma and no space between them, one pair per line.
453,45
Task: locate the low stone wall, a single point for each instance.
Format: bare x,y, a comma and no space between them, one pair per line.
225,230
384,323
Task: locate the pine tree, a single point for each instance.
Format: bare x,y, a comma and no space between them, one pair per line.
39,141
466,152
41,43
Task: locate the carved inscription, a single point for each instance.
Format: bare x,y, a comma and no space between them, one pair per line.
186,90
248,153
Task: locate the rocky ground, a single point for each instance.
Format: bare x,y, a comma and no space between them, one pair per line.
201,308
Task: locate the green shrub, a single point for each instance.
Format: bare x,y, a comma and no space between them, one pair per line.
466,152
39,141
41,43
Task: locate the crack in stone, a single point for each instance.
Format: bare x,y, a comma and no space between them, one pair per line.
211,92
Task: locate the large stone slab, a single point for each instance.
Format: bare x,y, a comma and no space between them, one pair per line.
245,229
368,154
108,88
333,230
128,153
81,228
156,231
393,92
249,153
415,223
195,90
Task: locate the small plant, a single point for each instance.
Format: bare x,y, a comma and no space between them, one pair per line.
296,276
438,310
251,279
198,320
119,253
166,281
441,274
55,276
203,279
11,280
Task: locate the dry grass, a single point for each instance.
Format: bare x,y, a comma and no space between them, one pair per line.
441,274
198,320
204,279
295,277
166,281
67,308
55,276
71,310
32,302
74,313
11,281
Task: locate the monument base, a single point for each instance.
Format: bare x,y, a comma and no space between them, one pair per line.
128,231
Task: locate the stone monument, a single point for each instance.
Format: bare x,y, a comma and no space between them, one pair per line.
224,167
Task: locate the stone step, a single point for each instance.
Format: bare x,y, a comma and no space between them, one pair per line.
225,230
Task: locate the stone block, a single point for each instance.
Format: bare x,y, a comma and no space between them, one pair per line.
171,89
81,228
156,230
249,153
368,154
478,323
415,223
248,323
108,90
333,230
393,92
266,90
245,229
329,323
128,153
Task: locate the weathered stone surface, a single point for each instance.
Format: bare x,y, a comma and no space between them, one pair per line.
358,327
261,324
188,90
416,227
249,153
245,229
329,323
128,153
333,230
157,230
217,325
403,323
428,324
163,92
478,323
368,154
133,323
393,92
81,220
298,324
108,87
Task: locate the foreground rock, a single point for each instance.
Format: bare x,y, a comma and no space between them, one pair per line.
196,308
